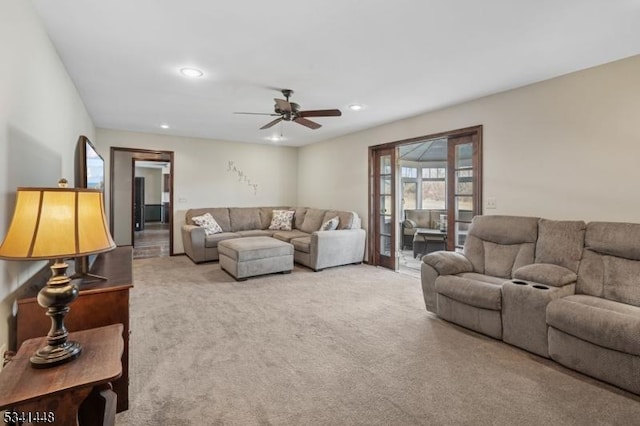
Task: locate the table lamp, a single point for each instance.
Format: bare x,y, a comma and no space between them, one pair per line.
54,224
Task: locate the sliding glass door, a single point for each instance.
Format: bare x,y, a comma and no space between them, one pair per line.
440,174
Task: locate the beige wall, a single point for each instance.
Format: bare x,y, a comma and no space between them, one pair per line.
152,184
201,173
563,148
41,117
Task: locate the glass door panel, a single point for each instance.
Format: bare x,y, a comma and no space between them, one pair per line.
384,201
464,195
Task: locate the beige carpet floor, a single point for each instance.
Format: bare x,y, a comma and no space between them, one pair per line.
346,346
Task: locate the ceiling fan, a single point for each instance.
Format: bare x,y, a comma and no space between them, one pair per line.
290,111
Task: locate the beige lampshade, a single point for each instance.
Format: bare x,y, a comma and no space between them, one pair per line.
53,223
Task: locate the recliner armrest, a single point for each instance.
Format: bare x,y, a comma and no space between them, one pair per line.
448,262
546,273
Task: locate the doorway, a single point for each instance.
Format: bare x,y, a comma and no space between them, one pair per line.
145,214
151,194
436,183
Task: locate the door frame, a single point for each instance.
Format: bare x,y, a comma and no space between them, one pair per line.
374,216
452,221
143,155
372,232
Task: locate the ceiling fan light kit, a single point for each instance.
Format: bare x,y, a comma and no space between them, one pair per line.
290,111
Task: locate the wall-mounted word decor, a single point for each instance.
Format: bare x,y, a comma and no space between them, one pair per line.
232,168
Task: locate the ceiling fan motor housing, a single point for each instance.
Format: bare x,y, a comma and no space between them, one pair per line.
288,115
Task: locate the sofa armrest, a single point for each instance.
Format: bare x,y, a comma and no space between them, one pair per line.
448,262
340,247
546,273
193,241
440,263
408,224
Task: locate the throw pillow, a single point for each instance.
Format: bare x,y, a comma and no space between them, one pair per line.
281,220
331,224
207,222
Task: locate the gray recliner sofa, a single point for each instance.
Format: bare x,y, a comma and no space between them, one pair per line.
313,248
571,294
465,288
597,330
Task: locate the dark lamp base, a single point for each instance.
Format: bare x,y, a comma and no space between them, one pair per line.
50,356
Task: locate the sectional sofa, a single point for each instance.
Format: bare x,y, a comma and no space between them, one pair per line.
566,290
314,248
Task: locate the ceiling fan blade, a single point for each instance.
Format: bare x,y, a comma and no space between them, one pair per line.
320,113
283,105
271,123
308,123
257,113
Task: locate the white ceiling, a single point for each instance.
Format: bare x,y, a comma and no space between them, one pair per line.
398,58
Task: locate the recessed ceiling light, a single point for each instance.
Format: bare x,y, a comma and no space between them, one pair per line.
275,138
355,107
164,126
191,72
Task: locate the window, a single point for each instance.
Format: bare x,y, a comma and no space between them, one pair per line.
409,172
409,195
434,188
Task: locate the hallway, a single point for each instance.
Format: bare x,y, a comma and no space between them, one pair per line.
153,241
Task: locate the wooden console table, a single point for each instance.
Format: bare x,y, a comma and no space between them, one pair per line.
54,395
100,303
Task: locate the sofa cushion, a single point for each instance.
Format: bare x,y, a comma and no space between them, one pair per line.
282,220
212,241
421,217
610,262
560,242
244,218
302,244
289,235
331,224
256,233
610,277
498,245
622,280
266,214
614,239
599,321
220,214
345,218
312,220
207,222
480,294
481,277
505,229
545,273
298,217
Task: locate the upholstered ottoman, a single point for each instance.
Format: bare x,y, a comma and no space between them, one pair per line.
251,256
